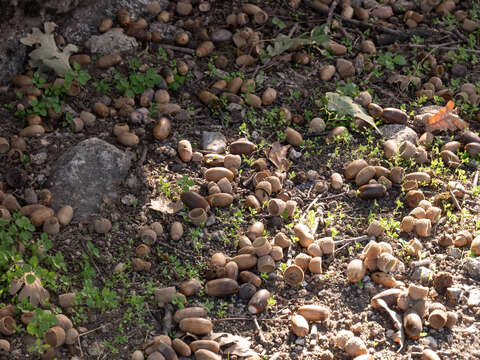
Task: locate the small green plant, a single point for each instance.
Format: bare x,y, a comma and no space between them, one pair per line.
136,83
389,60
77,74
178,301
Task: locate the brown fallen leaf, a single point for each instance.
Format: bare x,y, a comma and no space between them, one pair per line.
277,154
446,119
166,206
399,335
238,345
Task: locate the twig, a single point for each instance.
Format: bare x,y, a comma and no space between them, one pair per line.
248,319
441,47
455,201
80,347
475,180
347,242
178,48
356,239
173,248
330,14
90,331
260,332
314,201
403,35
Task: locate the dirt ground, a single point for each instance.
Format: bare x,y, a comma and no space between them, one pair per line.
115,322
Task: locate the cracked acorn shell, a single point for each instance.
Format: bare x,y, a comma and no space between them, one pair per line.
276,207
293,275
303,233
7,325
55,336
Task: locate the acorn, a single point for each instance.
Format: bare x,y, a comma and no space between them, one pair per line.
314,312
299,325
196,326
356,270
259,301
221,287
412,324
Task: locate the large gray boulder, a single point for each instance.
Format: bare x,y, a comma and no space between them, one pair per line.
85,173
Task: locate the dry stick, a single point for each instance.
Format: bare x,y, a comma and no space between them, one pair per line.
440,47
348,241
455,201
475,180
401,34
260,332
248,319
90,331
179,49
80,347
330,14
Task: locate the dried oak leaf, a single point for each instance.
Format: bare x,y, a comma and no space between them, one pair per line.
445,119
345,104
237,345
166,206
47,55
277,154
399,335
32,289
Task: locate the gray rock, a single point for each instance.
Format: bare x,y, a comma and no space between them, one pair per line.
399,133
474,298
168,31
84,20
113,41
472,266
453,295
213,141
85,173
422,274
458,70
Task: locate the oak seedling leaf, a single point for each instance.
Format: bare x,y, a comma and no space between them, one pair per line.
346,105
47,55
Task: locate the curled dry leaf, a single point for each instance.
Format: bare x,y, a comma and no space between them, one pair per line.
277,154
237,345
166,206
399,335
47,55
446,119
32,289
346,105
